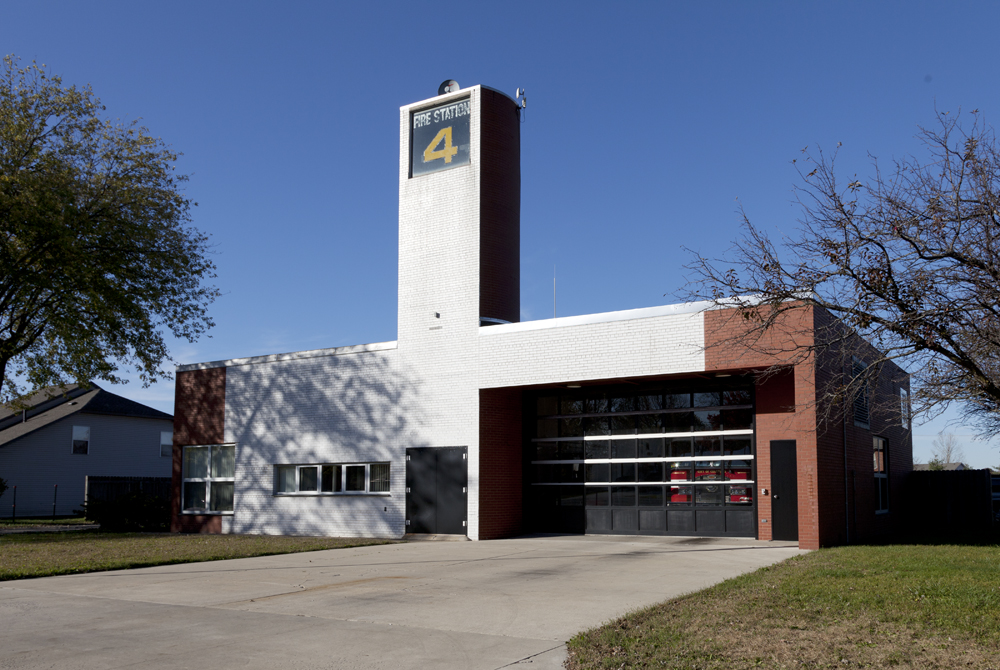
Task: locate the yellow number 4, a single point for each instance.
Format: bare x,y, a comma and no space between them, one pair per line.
431,154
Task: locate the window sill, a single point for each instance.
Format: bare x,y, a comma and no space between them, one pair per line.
205,513
320,494
881,512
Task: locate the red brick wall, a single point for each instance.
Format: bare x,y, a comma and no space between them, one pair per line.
824,519
500,479
785,405
857,521
500,209
199,418
200,407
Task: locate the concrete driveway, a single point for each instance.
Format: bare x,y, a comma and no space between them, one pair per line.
462,605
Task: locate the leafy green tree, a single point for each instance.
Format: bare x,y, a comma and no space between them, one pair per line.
98,258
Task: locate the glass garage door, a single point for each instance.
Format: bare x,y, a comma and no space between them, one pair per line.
658,461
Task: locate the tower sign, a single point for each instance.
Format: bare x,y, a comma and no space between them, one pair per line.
440,137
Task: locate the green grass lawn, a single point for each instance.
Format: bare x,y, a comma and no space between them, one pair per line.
42,554
895,606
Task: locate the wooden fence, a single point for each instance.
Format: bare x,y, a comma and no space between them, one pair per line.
109,489
946,502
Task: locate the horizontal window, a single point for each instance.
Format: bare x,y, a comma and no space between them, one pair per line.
651,471
641,403
331,479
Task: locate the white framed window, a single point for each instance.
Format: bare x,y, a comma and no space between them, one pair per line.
81,440
862,411
332,479
166,443
880,456
209,476
904,407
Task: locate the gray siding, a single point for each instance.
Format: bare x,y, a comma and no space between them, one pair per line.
119,446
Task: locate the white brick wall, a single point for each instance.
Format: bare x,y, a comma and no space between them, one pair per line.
343,408
363,407
439,273
370,403
566,350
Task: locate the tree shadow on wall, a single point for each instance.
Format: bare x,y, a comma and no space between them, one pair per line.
351,408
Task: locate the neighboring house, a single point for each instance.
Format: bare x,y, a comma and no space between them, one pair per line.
643,421
944,466
68,433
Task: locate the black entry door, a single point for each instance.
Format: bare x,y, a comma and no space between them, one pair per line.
784,491
437,480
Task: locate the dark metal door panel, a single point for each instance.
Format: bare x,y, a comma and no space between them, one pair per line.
740,522
710,521
421,491
680,521
784,491
452,490
655,520
598,520
625,520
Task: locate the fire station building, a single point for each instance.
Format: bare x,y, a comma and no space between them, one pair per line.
471,423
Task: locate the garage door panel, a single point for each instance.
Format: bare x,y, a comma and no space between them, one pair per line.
680,521
652,520
625,520
710,521
740,522
598,520
661,457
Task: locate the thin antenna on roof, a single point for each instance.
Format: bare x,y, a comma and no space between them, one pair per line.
553,291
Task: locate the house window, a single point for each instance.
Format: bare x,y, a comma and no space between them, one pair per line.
166,443
209,474
330,479
860,380
81,440
880,452
904,407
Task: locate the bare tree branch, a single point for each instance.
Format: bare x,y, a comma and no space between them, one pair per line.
907,264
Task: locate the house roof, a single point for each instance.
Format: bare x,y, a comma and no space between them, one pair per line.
944,466
53,403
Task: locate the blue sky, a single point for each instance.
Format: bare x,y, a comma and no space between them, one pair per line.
648,125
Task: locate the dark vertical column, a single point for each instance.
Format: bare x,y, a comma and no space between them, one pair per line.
500,463
500,208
